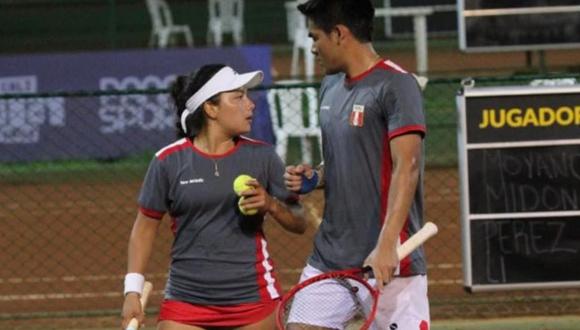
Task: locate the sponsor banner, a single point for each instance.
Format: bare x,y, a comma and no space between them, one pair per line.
107,126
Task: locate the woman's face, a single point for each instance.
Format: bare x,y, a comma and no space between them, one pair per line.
236,111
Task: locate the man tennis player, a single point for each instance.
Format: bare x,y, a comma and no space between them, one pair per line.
373,125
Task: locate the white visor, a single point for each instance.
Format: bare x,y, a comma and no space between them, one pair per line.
224,80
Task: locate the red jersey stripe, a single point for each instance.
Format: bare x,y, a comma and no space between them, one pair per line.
364,74
252,141
407,129
390,65
405,263
386,169
176,146
151,213
265,277
174,225
383,64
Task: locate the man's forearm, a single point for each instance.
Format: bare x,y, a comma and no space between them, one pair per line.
401,194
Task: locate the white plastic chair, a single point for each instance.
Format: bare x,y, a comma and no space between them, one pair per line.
163,27
388,20
225,16
288,107
302,44
292,15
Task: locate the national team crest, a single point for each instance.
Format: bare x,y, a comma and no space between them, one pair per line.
357,115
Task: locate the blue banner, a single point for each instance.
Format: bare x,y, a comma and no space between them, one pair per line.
110,126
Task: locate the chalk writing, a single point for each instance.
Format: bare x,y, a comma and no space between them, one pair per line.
525,179
524,250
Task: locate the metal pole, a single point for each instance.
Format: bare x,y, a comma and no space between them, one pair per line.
420,26
542,61
529,59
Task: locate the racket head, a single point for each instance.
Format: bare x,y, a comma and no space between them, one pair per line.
350,288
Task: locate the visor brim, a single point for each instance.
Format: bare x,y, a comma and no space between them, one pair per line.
247,80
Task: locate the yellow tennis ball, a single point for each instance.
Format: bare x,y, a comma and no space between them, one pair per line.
240,183
243,210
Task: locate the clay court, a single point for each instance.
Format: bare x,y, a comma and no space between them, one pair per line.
66,259
67,253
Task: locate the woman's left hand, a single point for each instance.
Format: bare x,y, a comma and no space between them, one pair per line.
256,198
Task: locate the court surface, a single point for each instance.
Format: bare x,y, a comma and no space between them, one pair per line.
520,323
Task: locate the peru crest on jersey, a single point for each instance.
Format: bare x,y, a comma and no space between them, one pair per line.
357,115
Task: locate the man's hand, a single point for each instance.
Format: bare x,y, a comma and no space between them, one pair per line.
293,176
384,261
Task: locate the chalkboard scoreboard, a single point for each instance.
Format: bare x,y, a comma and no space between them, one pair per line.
492,25
519,152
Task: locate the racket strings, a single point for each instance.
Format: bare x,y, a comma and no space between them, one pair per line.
360,307
337,303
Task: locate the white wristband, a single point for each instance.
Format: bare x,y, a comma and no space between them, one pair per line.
134,283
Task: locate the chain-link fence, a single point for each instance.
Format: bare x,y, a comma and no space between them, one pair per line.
67,203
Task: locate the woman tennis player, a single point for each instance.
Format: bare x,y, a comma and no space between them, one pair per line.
221,275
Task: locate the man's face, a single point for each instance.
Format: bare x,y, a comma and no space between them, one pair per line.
325,47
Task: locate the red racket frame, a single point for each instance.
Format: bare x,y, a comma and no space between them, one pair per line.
354,274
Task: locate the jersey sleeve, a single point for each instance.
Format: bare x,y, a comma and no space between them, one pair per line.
153,195
276,186
403,106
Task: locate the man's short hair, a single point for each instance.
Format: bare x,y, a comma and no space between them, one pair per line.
357,15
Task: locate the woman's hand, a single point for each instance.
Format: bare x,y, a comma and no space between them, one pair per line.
256,197
132,309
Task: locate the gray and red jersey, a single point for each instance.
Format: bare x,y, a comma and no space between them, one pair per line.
358,118
219,256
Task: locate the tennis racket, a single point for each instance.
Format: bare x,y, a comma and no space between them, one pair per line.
329,293
134,323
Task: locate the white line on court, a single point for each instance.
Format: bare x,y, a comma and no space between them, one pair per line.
62,296
87,278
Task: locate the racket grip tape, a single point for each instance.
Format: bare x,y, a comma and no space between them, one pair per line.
420,237
134,323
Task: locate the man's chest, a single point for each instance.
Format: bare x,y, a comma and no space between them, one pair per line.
347,112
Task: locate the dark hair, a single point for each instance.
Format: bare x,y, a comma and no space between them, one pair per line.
357,15
183,88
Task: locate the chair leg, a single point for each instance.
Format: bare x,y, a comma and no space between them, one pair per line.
294,66
209,36
188,38
152,40
218,37
306,146
308,62
282,147
237,36
163,40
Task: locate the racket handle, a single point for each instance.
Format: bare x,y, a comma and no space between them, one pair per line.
134,323
428,230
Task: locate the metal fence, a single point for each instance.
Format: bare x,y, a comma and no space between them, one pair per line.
64,225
